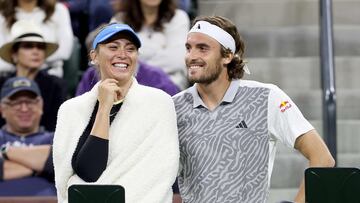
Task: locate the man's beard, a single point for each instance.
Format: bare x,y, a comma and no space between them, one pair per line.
209,77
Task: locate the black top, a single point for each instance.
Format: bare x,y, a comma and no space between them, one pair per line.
53,91
91,154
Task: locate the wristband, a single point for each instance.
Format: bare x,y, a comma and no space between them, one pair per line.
4,152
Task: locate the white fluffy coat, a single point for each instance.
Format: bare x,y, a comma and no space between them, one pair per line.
143,144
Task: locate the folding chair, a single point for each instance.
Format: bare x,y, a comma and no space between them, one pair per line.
96,194
332,185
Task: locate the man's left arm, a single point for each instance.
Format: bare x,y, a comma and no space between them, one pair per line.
312,146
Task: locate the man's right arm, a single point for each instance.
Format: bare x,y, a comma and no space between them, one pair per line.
315,150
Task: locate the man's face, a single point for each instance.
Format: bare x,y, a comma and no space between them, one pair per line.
30,55
203,59
22,112
116,59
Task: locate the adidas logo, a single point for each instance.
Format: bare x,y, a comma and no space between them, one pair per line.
242,124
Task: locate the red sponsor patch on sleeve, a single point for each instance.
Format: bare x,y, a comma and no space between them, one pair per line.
285,105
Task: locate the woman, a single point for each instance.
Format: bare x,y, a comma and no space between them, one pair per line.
120,132
54,21
162,29
27,52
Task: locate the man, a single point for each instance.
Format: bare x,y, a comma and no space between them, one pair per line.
25,161
228,127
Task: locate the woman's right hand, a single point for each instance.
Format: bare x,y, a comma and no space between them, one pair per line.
108,93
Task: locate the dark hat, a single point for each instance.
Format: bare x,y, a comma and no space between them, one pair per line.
112,29
18,84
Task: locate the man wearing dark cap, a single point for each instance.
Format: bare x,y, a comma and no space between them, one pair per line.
25,159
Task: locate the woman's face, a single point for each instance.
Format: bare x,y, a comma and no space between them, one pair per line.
150,3
117,5
20,2
116,59
30,55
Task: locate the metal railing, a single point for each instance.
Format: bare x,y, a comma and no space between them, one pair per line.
328,76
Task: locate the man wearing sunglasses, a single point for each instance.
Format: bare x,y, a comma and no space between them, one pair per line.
26,167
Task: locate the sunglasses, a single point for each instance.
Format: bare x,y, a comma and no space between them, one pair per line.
31,45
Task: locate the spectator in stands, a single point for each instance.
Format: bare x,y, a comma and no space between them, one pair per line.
162,29
189,6
101,11
54,21
145,75
192,9
85,16
120,132
26,167
97,11
27,51
229,127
